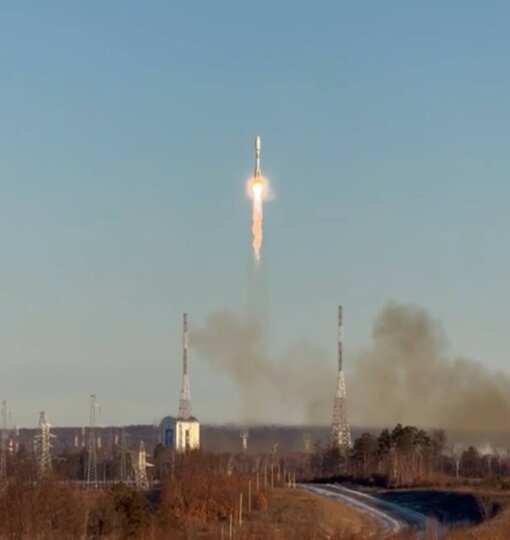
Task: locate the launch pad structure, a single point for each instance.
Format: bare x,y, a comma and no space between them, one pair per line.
183,432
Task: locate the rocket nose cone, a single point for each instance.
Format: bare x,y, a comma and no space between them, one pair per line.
257,143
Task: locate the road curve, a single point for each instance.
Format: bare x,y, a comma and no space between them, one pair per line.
392,517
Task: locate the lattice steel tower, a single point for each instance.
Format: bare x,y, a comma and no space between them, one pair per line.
185,400
43,445
141,479
245,435
340,429
92,447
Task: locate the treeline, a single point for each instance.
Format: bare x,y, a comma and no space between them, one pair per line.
208,495
47,508
407,455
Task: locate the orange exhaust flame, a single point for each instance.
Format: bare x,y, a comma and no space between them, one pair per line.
257,190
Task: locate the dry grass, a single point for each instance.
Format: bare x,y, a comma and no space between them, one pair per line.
315,514
291,514
295,514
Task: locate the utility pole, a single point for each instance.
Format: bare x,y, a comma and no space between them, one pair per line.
92,454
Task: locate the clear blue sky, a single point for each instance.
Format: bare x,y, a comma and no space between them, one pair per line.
126,135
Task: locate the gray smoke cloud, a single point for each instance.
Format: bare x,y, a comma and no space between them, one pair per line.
405,375
299,381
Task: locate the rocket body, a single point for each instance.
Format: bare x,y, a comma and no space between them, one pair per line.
257,157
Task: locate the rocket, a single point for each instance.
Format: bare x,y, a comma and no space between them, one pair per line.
257,188
257,157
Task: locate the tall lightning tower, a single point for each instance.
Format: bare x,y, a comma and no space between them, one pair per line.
92,450
43,445
185,400
340,429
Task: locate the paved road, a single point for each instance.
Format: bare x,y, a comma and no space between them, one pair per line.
392,517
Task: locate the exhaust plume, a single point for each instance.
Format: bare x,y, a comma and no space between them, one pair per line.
258,190
408,376
257,219
405,375
294,387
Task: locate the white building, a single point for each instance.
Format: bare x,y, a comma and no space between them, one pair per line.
180,434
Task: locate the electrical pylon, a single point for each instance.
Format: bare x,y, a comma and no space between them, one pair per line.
142,464
43,446
185,399
340,429
92,447
245,435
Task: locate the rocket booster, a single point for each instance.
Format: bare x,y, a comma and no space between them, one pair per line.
257,157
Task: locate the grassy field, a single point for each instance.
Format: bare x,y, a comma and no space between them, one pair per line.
300,510
295,514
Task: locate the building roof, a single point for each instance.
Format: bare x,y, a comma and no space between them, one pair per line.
191,419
